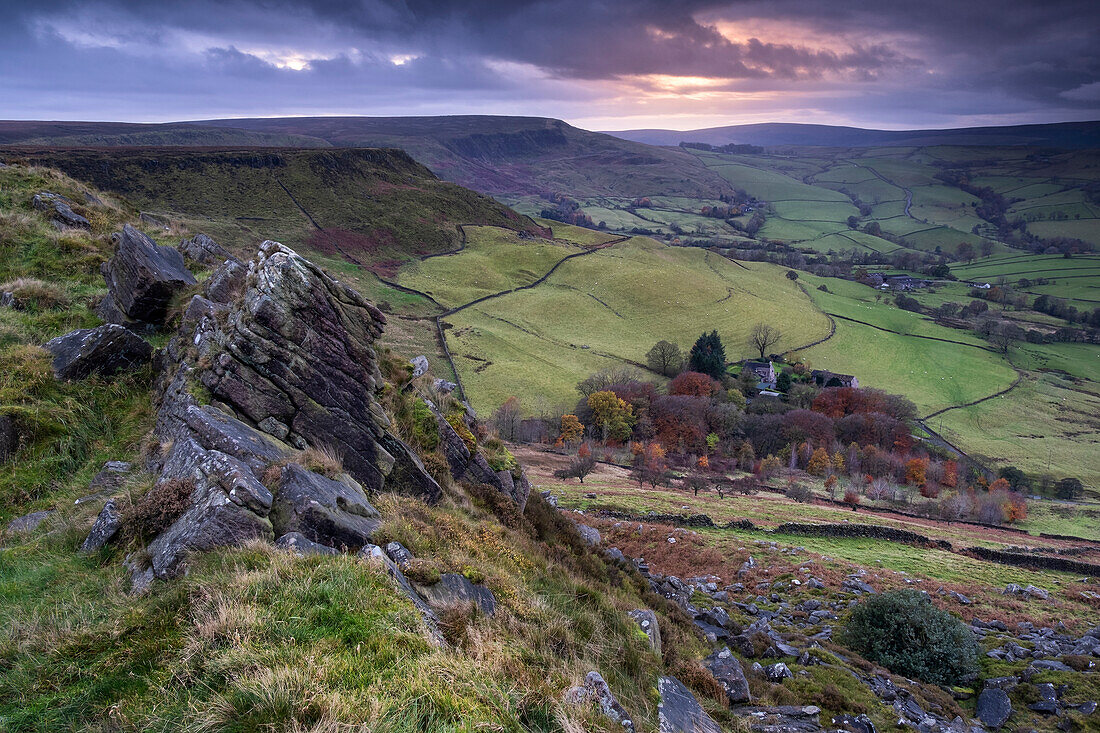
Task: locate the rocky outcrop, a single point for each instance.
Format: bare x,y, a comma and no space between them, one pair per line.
647,622
141,279
323,510
103,350
727,669
285,365
467,465
105,528
296,350
205,251
679,711
60,210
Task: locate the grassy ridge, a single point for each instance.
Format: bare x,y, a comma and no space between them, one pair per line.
376,206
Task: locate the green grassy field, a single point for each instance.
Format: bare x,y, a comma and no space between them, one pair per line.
1048,424
492,261
933,374
609,308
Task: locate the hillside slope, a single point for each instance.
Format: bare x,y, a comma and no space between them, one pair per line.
1071,135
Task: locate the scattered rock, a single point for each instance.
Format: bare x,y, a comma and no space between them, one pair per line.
374,553
443,386
727,669
105,528
994,707
590,535
60,209
334,513
28,522
301,545
858,723
141,279
778,672
205,251
679,711
453,589
647,621
596,686
399,554
420,366
104,350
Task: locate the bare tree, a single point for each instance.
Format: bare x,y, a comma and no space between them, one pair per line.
763,337
665,358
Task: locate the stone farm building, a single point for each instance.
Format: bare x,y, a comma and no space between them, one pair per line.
831,379
763,370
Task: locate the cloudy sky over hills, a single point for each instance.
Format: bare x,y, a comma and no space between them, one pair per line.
602,65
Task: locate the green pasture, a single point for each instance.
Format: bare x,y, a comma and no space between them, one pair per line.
1047,424
608,308
493,260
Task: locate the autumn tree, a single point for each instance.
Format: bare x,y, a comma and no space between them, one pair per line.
693,384
746,456
571,430
763,337
695,482
819,461
665,358
950,474
915,471
611,415
838,462
708,356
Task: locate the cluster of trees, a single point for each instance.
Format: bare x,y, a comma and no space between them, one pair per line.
566,210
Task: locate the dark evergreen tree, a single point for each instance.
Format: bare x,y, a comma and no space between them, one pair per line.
708,356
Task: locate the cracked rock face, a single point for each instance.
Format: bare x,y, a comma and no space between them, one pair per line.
286,364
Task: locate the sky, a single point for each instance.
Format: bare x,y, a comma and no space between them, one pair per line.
598,64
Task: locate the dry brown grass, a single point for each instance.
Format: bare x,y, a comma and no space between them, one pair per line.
322,459
44,295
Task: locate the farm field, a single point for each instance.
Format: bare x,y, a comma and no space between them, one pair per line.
933,374
610,307
493,260
1047,421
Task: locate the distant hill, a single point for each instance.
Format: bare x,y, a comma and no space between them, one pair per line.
116,134
501,156
1072,135
374,207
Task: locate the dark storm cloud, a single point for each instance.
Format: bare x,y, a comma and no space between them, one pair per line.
951,58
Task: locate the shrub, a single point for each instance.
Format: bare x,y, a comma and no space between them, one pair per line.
800,493
424,429
904,632
498,456
157,509
851,496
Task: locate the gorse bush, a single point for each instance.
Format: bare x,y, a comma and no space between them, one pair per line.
904,632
